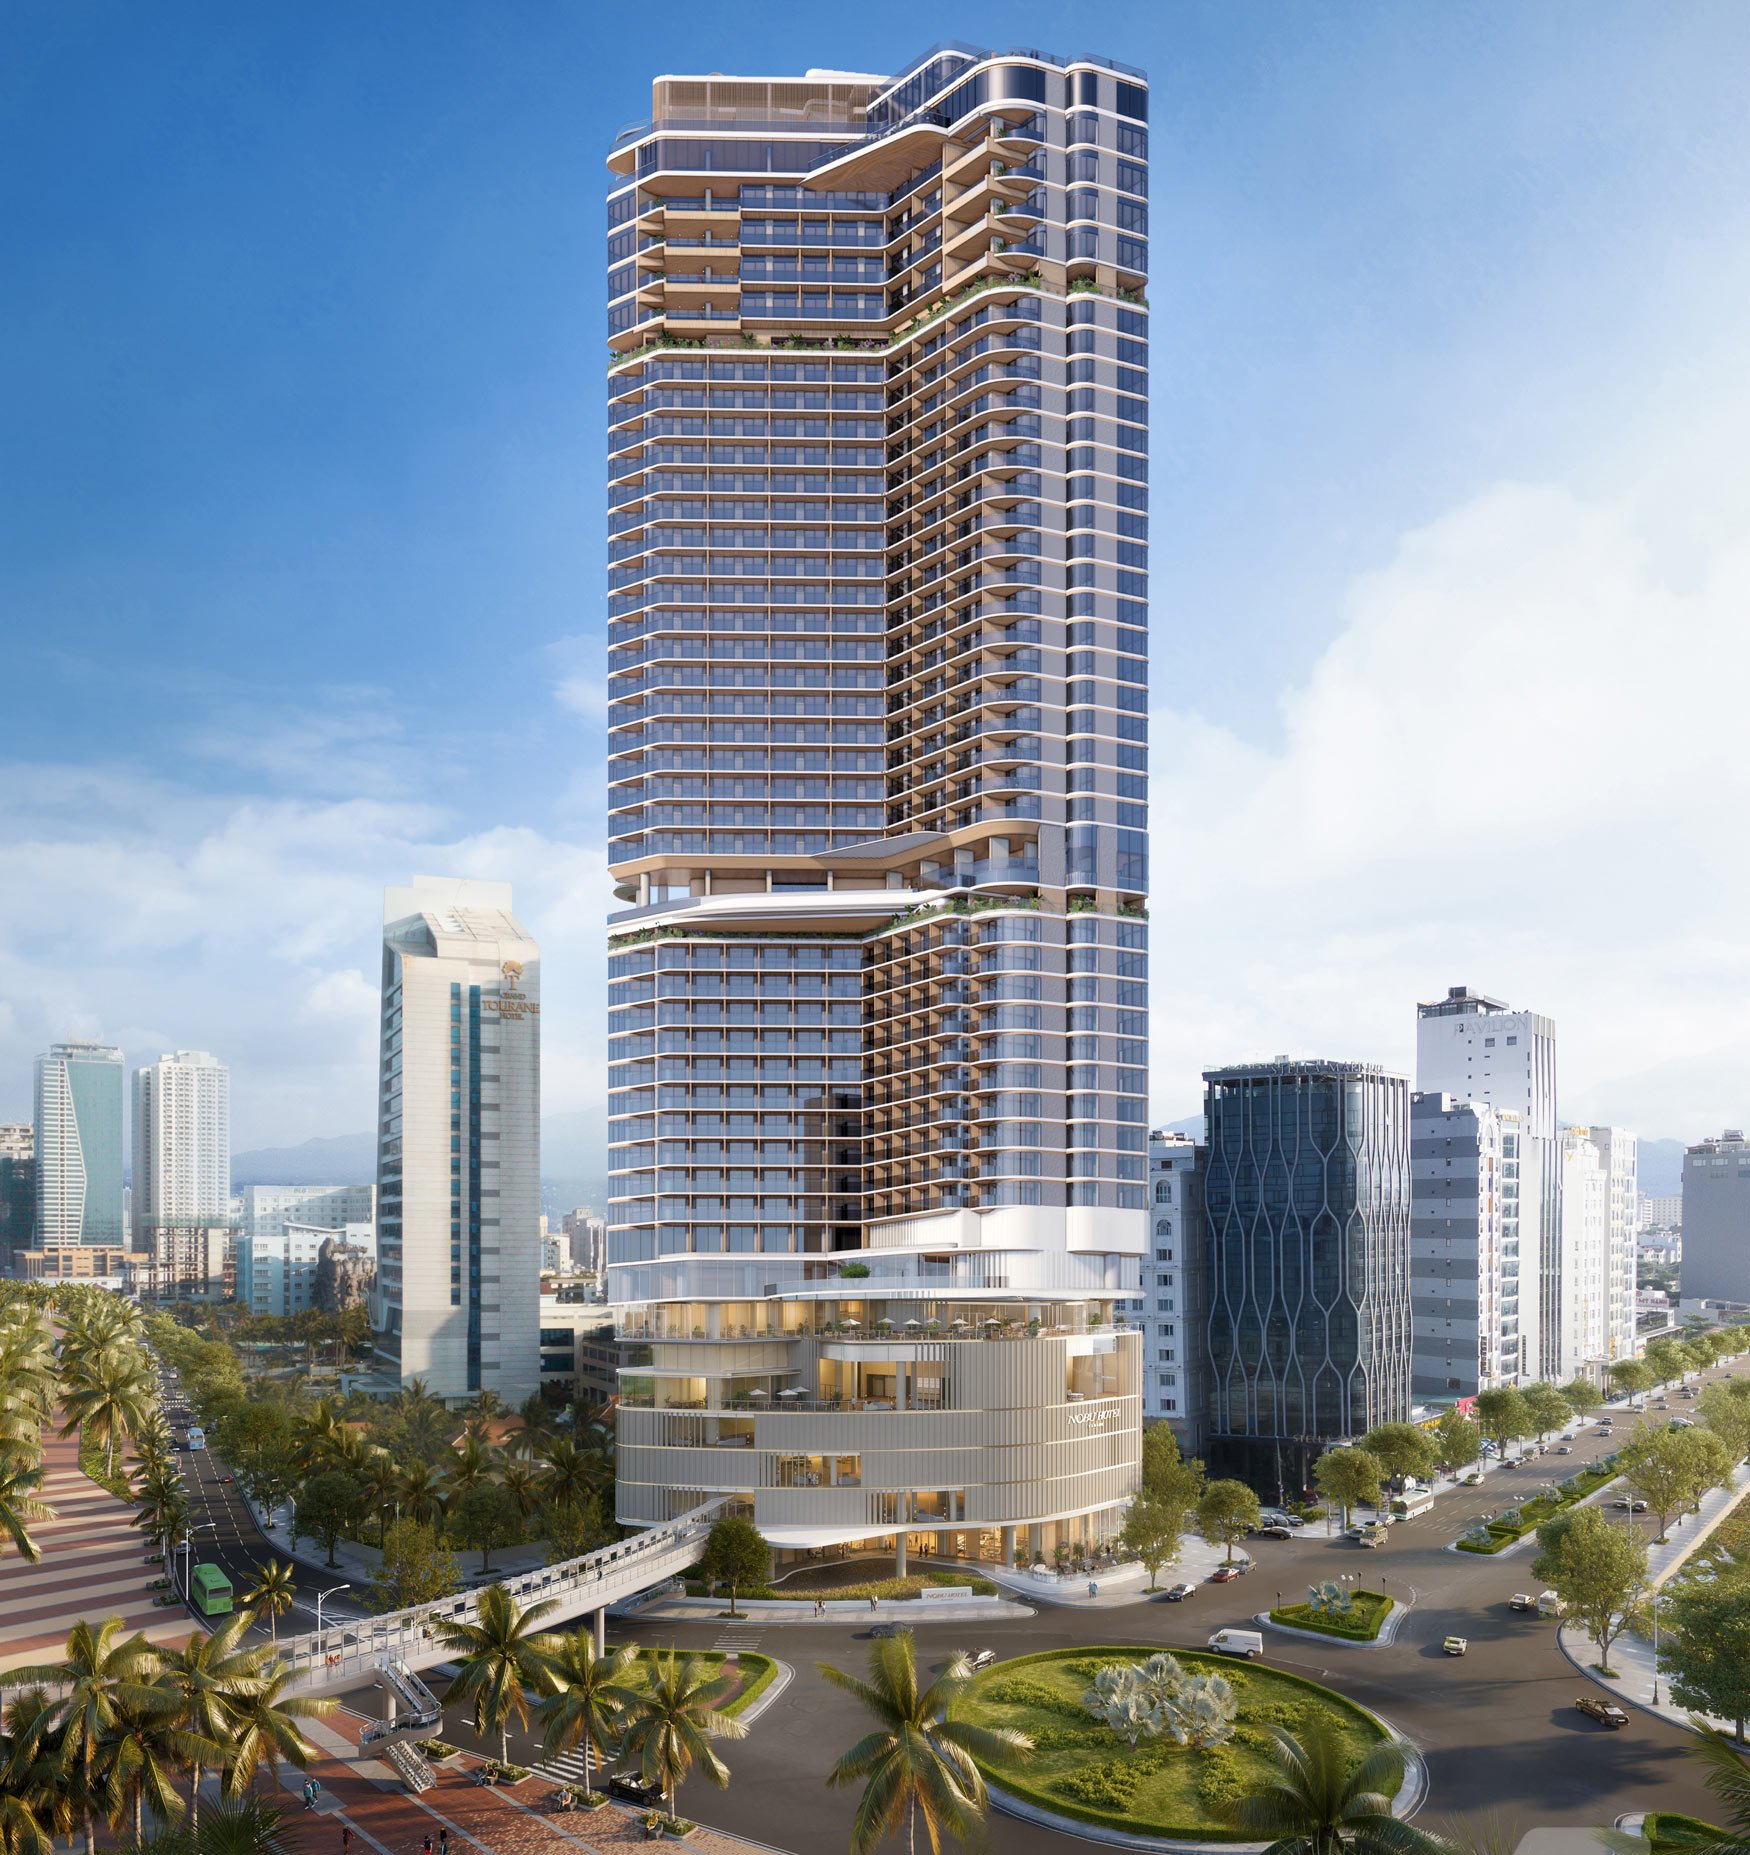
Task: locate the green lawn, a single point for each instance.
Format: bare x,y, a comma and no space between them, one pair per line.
756,1675
1081,1769
1361,1623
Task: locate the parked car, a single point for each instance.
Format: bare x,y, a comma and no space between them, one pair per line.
1522,1600
634,1787
981,1658
1177,1593
1455,1645
1605,1712
1224,1574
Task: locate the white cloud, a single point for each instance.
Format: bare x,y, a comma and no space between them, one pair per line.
1517,765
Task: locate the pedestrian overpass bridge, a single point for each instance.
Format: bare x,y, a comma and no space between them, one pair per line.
390,1650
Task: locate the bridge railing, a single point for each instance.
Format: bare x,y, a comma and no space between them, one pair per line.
356,1650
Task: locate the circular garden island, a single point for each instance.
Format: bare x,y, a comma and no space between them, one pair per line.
1200,1723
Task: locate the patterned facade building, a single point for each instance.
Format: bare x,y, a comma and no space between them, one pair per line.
877,789
1307,1196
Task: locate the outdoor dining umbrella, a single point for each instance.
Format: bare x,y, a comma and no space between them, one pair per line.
759,1391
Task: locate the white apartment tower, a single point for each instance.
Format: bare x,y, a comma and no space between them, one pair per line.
182,1143
1619,1157
1583,1289
457,1296
1475,1048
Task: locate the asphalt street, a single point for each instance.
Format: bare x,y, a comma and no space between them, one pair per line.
1504,1744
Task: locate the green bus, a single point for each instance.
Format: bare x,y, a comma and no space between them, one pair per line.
210,1591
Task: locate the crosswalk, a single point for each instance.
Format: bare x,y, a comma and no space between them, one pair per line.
738,1636
569,1768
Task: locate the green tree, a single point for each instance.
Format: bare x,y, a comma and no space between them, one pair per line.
422,1494
417,1568
1666,1468
673,1721
1666,1360
1549,1407
1154,1532
1322,1800
1457,1438
502,1654
919,1760
1583,1395
139,1755
569,1475
484,1517
571,1531
1595,1568
108,1397
1503,1415
208,1676
20,1503
1403,1450
273,1592
1704,1647
265,1730
330,1507
1348,1477
735,1554
1725,1408
1226,1511
588,1696
1631,1378
1166,1475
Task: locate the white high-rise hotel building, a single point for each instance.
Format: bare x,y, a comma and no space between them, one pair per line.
457,1297
182,1143
877,789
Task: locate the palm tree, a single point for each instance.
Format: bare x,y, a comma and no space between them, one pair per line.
22,1831
422,1494
110,1397
918,1761
501,1654
318,1432
536,1416
1322,1800
589,1696
208,1676
140,1753
486,1405
568,1477
266,1728
472,1464
100,1674
274,1590
32,1770
20,1503
673,1723
523,1485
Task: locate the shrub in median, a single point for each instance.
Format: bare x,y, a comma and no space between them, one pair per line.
1360,1623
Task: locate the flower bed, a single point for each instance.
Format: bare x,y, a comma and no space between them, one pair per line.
1080,1769
1361,1623
1533,1513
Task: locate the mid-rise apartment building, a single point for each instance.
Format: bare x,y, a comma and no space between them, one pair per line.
1307,1192
877,788
1476,1048
279,1271
1464,1248
269,1209
78,1136
182,1143
1716,1219
1661,1211
1171,1311
1583,1281
459,1143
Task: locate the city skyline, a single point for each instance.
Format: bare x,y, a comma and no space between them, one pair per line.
1470,397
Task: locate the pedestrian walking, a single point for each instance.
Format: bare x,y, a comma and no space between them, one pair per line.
872,1604
425,1846
444,1841
1093,1589
345,1838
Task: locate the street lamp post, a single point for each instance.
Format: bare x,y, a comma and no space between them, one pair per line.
1655,1645
186,1548
322,1597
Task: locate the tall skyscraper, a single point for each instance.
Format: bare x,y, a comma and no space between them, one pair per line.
182,1143
1463,1291
17,1190
1474,1048
877,731
1307,1194
457,1295
79,1146
1716,1219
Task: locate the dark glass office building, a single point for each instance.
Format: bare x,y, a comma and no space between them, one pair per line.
1307,1200
878,467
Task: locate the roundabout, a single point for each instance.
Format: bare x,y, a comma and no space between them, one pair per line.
1085,1777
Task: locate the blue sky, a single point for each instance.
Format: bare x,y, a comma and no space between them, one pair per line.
301,532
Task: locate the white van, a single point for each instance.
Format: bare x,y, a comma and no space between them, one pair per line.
1249,1643
1549,1605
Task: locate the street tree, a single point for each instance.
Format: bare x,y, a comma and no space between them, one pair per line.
674,1717
1168,1476
328,1508
485,1517
1456,1437
502,1655
1226,1511
735,1554
1583,1395
1549,1407
1704,1647
1504,1415
1725,1408
1632,1378
1403,1450
1595,1568
1709,1460
1349,1477
417,1567
588,1697
1154,1532
1666,1360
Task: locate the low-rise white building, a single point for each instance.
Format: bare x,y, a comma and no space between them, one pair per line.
268,1209
276,1272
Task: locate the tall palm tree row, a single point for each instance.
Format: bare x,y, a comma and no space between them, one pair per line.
112,1730
27,1382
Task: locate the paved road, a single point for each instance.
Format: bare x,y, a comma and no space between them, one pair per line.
1503,1741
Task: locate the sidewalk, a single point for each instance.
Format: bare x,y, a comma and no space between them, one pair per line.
837,1610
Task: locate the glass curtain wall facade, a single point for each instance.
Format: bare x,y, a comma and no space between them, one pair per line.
79,1146
877,791
1307,1197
